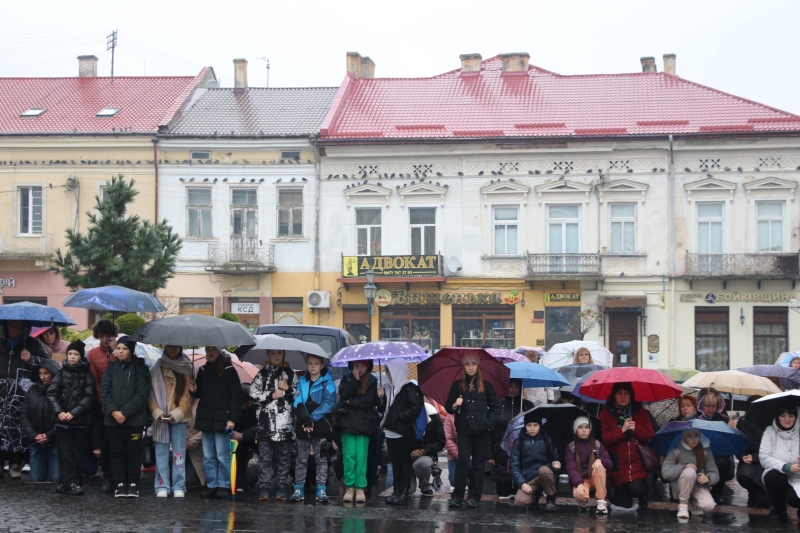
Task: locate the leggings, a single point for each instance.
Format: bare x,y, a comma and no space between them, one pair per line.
623,495
780,492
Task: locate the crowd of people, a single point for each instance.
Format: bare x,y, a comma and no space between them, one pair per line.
109,403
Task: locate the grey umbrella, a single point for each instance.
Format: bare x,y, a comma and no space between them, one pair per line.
295,351
193,330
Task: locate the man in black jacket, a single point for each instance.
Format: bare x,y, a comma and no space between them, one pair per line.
426,452
39,422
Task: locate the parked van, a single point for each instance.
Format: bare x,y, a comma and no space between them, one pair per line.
329,339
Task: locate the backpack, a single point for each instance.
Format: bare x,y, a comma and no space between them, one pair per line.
420,423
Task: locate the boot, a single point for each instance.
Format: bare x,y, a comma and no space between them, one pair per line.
107,487
322,494
550,505
298,495
394,498
349,495
360,496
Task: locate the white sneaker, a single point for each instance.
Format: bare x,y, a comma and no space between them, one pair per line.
162,494
683,511
179,494
602,507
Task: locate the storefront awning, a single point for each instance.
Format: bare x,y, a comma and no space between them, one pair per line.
622,303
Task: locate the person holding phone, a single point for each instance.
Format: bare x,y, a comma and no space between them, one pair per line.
171,407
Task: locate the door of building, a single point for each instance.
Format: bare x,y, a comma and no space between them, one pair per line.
624,327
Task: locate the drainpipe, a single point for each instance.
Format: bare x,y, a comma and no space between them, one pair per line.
671,251
317,170
155,166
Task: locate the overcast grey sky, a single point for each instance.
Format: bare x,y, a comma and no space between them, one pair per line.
744,47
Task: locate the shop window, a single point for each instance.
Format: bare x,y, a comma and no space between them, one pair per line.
770,334
287,311
623,228
290,212
770,226
423,231
561,325
356,322
474,327
30,210
197,306
368,231
199,214
562,229
712,344
506,230
419,325
709,228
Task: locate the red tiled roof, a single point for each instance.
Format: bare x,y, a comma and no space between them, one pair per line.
145,102
539,103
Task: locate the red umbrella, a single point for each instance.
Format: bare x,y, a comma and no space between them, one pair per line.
438,373
648,385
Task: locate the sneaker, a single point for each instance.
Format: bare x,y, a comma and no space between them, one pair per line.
280,495
14,471
583,507
298,495
26,468
695,510
349,495
683,511
322,495
472,504
162,494
360,496
454,504
60,489
428,493
107,486
179,494
133,491
75,489
602,507
452,488
121,491
208,493
550,505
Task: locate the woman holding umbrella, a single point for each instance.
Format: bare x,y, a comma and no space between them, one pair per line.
779,457
510,406
625,425
473,402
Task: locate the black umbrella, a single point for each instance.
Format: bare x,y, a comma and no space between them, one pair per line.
193,330
763,411
557,420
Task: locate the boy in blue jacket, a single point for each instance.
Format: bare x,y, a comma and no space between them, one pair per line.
534,461
316,397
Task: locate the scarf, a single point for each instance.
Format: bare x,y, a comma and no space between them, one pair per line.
621,414
158,391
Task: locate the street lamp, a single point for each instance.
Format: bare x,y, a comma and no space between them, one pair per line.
370,290
644,322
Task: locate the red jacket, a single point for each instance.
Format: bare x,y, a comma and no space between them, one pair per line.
630,465
99,359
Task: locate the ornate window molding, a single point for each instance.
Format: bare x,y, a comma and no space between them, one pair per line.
367,193
505,191
771,187
422,193
566,189
623,190
709,188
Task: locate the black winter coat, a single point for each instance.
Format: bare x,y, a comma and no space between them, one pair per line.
529,454
72,391
247,424
509,408
357,416
403,411
37,413
479,411
433,440
126,388
220,397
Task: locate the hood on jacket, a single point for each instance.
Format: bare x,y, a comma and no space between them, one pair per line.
399,372
430,410
52,366
702,397
324,375
37,333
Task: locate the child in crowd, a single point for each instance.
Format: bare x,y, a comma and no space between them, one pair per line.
171,407
534,461
690,471
273,389
125,391
316,396
586,461
39,421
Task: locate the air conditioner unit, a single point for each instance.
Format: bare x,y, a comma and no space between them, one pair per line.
319,299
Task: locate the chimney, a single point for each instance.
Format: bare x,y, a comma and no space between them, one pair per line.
515,62
669,63
361,67
649,64
470,62
87,66
240,74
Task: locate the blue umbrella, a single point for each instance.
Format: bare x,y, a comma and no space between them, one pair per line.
115,298
35,314
533,375
724,440
379,351
579,384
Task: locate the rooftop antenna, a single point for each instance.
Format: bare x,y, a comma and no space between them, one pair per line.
267,60
111,44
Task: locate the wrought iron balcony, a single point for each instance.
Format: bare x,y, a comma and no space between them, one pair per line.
26,247
236,258
564,266
742,266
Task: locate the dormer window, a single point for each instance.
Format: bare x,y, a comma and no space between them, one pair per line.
33,112
108,112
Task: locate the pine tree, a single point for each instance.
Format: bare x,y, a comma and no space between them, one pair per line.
119,249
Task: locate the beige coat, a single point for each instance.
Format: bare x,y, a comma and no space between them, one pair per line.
181,407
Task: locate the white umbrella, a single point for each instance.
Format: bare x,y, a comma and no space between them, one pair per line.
563,353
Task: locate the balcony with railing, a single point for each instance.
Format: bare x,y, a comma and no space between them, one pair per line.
233,258
742,266
564,266
26,247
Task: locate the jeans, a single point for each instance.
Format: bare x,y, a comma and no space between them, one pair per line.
217,459
177,455
422,472
44,462
126,453
71,446
301,466
283,450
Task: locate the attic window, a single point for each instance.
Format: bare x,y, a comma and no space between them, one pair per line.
33,112
290,155
201,155
108,112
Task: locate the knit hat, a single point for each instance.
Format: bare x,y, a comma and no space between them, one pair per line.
533,416
580,420
78,346
129,343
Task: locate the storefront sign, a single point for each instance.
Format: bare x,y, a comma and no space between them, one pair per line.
562,297
7,282
689,298
403,297
719,297
383,298
390,266
245,308
539,342
653,344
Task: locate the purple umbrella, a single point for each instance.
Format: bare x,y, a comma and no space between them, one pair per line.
507,356
790,378
379,351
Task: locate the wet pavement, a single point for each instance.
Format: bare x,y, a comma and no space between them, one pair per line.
34,507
